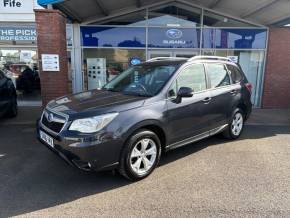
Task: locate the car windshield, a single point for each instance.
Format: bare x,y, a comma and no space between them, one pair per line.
142,80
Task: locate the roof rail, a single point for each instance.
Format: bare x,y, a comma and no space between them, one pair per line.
209,58
165,58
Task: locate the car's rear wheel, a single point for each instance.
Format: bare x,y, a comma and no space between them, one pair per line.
140,155
235,126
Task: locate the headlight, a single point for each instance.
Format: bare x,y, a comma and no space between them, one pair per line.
92,124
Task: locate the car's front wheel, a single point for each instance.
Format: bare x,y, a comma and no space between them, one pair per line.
140,155
235,126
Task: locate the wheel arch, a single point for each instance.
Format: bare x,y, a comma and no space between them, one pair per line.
244,108
151,125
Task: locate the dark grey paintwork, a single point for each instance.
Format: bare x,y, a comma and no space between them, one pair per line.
200,116
7,94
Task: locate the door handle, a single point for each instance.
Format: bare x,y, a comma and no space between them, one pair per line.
233,92
206,100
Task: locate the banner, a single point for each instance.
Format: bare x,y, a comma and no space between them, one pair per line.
17,34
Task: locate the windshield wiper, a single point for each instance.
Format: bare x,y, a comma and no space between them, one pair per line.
111,89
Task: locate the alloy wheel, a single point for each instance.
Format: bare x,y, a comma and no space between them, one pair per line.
237,124
143,156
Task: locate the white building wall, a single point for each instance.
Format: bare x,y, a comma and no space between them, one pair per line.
18,10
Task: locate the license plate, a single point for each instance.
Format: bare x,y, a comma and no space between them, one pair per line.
46,138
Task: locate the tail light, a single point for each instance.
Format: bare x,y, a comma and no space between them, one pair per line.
249,86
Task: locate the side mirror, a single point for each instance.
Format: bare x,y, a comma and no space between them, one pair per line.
184,92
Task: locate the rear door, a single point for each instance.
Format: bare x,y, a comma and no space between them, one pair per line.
190,117
222,93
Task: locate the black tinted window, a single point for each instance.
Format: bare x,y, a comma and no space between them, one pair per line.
218,75
235,73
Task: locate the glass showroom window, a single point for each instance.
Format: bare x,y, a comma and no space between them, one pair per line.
21,66
18,60
214,20
101,65
137,18
176,15
252,63
107,51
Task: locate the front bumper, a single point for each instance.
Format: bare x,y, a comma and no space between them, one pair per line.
96,152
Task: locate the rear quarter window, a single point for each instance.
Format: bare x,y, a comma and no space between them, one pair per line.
235,73
218,75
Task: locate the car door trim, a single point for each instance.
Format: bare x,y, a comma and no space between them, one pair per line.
196,138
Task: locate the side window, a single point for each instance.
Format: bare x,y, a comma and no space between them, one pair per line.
192,77
218,75
235,73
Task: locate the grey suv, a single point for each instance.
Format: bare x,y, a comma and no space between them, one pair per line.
148,109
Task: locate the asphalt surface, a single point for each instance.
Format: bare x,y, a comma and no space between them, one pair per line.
213,178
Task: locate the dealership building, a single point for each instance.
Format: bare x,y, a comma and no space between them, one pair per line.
106,37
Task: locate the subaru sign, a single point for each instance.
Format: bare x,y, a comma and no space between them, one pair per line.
134,61
173,37
174,33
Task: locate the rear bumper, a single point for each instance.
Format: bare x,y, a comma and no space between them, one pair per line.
99,152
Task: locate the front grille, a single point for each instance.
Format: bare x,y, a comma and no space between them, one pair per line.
55,123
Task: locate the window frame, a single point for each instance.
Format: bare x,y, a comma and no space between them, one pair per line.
209,80
230,73
178,75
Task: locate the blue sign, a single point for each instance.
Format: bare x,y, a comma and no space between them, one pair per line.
173,38
100,36
134,61
174,33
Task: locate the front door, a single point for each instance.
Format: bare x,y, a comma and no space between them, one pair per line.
191,116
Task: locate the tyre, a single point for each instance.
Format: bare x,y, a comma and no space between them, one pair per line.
235,126
140,155
13,110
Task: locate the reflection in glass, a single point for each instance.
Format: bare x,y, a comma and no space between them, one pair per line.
214,20
175,16
113,36
137,18
234,38
21,66
142,80
117,60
